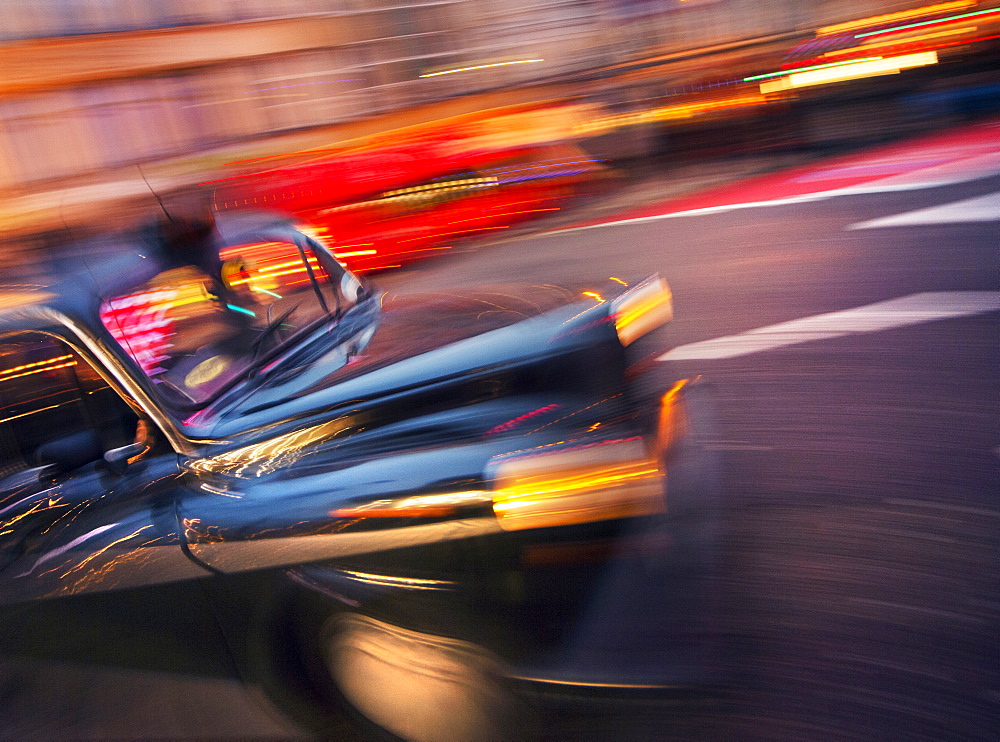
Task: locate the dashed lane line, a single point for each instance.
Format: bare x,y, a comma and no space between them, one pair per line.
907,310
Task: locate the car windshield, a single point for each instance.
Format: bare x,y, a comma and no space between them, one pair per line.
194,331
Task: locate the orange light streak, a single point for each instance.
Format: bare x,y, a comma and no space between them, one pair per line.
889,44
36,363
289,264
902,15
39,371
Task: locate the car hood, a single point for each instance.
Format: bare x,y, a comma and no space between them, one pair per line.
420,340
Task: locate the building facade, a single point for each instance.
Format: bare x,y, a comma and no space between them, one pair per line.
92,85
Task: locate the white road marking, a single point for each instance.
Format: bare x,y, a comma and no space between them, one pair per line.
981,209
962,171
907,310
804,198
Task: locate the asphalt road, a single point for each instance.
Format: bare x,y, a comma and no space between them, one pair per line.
857,583
856,586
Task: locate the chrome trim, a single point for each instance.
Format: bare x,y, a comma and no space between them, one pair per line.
264,553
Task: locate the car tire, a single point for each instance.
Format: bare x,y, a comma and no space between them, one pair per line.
347,675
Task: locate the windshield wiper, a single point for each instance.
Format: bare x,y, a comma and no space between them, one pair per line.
270,329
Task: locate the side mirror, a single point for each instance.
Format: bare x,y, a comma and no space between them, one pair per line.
117,458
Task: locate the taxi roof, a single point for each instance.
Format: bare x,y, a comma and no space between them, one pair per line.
85,272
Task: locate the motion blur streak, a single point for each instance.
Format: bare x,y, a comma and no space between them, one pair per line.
903,15
850,71
642,309
928,23
672,424
408,583
578,486
482,67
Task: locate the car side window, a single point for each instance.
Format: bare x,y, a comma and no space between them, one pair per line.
55,406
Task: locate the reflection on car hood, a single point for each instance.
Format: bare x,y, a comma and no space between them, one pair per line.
410,326
417,323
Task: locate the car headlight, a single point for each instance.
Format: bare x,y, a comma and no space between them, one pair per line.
641,309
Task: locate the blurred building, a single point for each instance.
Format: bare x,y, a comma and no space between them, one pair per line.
91,85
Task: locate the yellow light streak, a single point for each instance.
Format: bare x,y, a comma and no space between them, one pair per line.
35,364
289,264
38,507
33,412
354,254
641,310
414,583
882,44
622,490
482,67
666,113
269,275
888,66
559,486
902,15
593,295
39,371
100,551
184,302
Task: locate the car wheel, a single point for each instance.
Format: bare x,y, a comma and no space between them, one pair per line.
344,674
418,686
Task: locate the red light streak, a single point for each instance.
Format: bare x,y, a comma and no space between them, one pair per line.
503,427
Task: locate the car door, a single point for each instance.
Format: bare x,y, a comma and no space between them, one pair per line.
70,521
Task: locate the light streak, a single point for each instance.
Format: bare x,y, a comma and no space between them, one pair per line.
75,542
414,583
856,71
505,426
269,274
39,370
949,19
902,15
38,507
238,100
908,40
35,364
265,291
241,309
482,67
806,69
313,261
